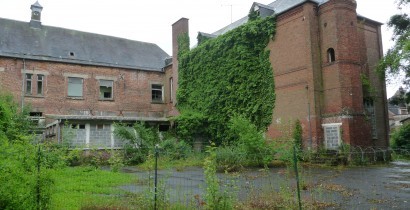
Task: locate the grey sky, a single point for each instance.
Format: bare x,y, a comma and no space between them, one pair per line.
151,21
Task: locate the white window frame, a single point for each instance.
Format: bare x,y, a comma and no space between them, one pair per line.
326,135
29,80
157,89
40,84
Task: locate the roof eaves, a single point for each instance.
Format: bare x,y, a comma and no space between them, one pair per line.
76,61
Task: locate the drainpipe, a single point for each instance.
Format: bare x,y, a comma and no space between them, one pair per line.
22,83
310,125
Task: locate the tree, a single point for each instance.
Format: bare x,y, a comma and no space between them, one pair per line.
397,59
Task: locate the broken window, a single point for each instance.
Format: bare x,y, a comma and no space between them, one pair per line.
75,87
331,55
40,84
156,91
29,78
106,89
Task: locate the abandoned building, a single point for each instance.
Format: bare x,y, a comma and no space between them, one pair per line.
327,55
324,57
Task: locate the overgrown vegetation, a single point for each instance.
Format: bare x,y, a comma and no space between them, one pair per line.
400,139
21,176
396,60
234,74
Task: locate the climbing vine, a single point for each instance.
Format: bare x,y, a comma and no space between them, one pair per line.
229,75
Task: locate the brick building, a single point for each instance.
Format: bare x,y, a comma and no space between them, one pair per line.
88,80
324,55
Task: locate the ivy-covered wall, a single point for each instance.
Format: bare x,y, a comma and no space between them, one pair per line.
229,75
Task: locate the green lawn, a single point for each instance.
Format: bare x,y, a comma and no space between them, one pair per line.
84,187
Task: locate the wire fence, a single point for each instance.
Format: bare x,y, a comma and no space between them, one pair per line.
186,188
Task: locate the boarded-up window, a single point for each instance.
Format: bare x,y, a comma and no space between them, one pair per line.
332,135
106,89
75,87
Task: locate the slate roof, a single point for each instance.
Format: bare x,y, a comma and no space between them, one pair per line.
279,6
19,40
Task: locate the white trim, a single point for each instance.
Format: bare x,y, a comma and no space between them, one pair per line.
43,72
106,78
87,135
84,76
339,136
331,124
112,136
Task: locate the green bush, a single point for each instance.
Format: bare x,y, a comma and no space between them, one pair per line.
138,140
251,141
20,179
400,139
175,149
230,158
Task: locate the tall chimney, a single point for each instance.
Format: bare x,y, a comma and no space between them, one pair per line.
178,28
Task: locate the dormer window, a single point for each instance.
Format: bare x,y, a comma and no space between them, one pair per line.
331,55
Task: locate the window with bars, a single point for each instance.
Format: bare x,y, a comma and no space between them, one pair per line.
371,114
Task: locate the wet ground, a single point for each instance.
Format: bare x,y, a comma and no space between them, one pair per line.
371,187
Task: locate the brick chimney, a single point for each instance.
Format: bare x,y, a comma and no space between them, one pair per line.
178,28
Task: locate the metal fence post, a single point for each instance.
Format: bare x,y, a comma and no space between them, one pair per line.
295,162
156,177
38,177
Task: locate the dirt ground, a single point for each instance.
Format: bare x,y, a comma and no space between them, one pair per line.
366,187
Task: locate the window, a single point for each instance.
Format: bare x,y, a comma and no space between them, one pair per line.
40,84
370,113
29,78
332,135
75,87
156,91
171,89
78,126
331,55
106,89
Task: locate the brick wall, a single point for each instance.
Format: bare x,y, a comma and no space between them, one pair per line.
131,89
305,78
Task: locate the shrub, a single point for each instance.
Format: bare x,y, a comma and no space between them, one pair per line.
174,149
230,158
138,141
251,141
400,138
20,179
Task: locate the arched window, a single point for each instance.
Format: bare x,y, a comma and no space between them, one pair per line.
331,55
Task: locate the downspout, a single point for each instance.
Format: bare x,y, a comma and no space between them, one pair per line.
22,83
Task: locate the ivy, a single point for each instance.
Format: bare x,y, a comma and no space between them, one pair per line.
229,75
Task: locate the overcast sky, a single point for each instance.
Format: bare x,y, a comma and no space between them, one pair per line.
150,21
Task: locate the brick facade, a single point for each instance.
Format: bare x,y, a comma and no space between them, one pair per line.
323,90
309,86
